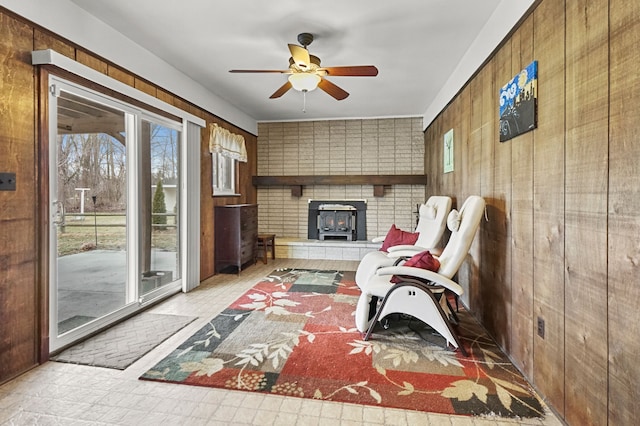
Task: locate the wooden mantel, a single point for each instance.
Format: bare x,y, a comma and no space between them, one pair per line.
378,181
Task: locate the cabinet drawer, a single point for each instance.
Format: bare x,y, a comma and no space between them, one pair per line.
248,212
246,249
249,226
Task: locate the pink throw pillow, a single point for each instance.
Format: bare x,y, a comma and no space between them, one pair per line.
397,236
422,260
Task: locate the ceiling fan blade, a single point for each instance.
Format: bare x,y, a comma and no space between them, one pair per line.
281,91
300,56
353,71
259,71
332,89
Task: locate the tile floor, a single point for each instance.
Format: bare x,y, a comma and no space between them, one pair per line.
67,394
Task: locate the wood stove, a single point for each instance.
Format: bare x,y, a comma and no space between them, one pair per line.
337,219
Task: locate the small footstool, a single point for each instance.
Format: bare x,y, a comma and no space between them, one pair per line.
264,241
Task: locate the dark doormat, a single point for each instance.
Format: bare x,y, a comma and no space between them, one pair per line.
73,322
123,344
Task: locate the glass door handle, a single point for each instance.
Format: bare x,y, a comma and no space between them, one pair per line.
58,213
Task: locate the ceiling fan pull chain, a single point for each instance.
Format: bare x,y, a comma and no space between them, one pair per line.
304,101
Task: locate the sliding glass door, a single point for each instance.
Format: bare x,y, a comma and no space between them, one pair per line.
159,236
114,203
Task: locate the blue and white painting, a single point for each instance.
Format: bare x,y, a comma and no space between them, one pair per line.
518,106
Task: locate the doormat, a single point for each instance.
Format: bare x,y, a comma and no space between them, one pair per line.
123,344
293,334
73,322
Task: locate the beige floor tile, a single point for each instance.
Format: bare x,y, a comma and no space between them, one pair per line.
373,415
265,418
68,394
352,412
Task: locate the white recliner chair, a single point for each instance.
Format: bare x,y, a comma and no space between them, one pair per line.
416,294
432,221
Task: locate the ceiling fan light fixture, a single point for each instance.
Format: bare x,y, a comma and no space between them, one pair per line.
304,82
306,74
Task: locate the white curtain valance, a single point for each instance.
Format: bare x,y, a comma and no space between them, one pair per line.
224,142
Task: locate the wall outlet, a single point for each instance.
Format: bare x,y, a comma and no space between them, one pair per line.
540,327
7,181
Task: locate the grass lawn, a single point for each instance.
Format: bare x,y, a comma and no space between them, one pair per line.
81,232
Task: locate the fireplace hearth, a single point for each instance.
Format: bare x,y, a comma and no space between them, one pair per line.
337,219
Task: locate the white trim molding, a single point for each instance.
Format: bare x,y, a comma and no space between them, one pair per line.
501,22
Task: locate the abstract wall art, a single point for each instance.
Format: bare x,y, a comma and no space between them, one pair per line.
518,105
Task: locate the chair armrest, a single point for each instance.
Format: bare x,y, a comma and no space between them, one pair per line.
424,274
403,247
408,251
377,239
402,253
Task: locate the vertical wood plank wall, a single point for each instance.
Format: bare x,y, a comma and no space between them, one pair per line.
548,201
623,207
586,186
521,332
18,287
22,292
562,240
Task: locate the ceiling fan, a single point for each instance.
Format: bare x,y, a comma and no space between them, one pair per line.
306,74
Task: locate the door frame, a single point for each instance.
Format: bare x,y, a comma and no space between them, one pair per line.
134,301
49,63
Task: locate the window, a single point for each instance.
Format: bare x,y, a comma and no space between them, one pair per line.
226,150
224,175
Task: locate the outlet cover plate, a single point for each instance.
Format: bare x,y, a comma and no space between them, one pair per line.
7,181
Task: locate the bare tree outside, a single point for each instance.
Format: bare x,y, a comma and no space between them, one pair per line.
97,161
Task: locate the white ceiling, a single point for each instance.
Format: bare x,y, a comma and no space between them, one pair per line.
416,45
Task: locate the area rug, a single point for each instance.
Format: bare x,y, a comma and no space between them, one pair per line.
293,334
125,343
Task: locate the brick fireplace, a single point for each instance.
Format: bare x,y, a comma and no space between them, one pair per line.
383,146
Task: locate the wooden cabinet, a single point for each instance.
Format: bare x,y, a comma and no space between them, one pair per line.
236,231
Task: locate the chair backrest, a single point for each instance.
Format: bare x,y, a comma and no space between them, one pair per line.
432,220
461,238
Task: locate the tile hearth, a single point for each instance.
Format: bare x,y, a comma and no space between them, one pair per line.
297,248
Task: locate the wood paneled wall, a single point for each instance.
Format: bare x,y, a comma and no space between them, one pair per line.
548,202
623,214
563,205
585,222
18,284
23,286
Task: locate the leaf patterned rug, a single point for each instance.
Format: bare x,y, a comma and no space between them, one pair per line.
293,334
